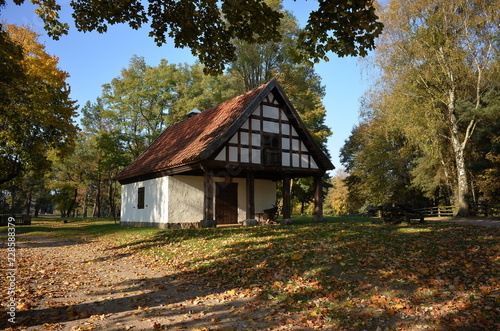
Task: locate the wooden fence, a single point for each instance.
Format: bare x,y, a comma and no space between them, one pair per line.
480,210
438,211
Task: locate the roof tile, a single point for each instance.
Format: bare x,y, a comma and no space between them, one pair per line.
183,143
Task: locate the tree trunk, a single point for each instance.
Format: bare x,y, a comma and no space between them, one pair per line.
112,200
73,203
94,209
97,210
85,197
28,203
461,191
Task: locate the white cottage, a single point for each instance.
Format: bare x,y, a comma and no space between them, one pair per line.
221,166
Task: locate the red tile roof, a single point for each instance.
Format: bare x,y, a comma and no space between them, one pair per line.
183,143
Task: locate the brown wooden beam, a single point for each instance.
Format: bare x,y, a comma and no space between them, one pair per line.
208,195
250,196
286,198
318,198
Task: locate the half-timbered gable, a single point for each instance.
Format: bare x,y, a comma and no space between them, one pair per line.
269,138
220,160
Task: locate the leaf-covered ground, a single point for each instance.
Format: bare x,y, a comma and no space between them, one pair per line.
346,274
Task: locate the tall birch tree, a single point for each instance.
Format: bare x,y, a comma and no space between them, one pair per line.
435,60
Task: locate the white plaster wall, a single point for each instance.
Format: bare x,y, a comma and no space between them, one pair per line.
265,194
155,201
179,199
185,199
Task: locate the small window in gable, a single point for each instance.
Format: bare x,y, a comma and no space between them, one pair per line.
271,140
272,149
140,198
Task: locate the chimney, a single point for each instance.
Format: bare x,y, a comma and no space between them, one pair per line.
193,113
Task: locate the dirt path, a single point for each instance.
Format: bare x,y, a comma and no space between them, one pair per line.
65,285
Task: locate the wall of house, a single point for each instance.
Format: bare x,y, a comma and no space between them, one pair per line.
155,212
177,201
186,199
265,195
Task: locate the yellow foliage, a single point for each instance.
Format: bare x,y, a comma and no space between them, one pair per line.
37,109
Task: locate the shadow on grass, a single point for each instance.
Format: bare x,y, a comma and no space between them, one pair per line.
349,274
56,232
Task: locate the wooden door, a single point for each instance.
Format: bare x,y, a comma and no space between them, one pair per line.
226,203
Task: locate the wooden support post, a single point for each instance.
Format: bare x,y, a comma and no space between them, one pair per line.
250,210
208,196
318,199
286,198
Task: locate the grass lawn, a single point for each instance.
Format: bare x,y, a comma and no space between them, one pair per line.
347,273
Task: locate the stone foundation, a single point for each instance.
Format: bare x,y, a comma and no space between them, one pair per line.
250,222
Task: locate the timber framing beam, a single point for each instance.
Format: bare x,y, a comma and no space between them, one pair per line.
250,186
208,195
286,198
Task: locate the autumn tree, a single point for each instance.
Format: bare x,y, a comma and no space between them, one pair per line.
436,59
143,100
486,152
337,198
103,138
36,110
209,27
377,164
138,100
257,64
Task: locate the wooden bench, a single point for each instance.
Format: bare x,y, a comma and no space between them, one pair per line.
20,219
398,213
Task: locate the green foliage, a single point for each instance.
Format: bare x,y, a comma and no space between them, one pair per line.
139,104
257,64
196,90
377,164
209,28
486,143
143,100
137,100
437,66
342,27
36,111
303,194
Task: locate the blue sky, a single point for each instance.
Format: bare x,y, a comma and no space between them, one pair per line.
93,59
